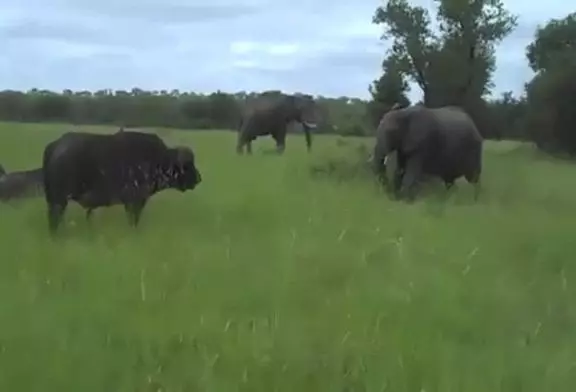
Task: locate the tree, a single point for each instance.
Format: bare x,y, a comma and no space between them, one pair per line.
507,113
386,91
551,120
554,44
454,63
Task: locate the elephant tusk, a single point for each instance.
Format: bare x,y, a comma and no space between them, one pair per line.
309,125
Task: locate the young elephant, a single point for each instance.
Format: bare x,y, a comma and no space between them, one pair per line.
439,142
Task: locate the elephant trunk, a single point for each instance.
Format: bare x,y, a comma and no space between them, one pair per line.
308,134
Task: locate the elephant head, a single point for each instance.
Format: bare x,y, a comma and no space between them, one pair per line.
401,131
302,108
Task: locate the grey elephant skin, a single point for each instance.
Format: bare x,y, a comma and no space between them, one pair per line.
270,115
126,168
428,142
20,184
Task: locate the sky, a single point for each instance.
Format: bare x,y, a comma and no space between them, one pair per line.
230,45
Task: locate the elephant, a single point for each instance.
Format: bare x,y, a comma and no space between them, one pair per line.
20,184
270,115
439,142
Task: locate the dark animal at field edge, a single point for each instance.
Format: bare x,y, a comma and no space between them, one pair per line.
98,170
270,115
20,184
434,142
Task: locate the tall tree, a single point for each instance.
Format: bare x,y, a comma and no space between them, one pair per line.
550,95
554,44
388,90
457,60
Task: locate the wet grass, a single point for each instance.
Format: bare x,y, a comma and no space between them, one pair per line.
294,274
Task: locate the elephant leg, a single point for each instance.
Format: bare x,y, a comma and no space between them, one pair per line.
89,212
280,139
378,163
397,181
244,141
473,170
240,145
399,173
411,177
379,169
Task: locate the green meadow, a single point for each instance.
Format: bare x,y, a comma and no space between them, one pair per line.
278,275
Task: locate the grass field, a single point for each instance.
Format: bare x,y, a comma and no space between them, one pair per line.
268,279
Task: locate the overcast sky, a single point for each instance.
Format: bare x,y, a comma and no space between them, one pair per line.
232,45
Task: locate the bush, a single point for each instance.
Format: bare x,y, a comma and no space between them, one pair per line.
551,120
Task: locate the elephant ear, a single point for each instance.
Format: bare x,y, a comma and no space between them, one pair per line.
416,128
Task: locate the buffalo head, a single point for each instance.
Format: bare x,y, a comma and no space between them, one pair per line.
181,172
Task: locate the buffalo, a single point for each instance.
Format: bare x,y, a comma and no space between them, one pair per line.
20,184
97,170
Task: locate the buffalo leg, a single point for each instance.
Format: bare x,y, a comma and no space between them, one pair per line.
55,213
134,211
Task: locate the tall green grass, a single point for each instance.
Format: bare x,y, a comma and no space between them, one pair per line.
267,278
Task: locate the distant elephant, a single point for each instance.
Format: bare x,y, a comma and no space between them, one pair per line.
270,115
20,184
428,142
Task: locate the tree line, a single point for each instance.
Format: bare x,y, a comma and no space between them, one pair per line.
452,64
170,109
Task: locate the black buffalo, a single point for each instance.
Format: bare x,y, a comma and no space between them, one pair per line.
20,184
126,168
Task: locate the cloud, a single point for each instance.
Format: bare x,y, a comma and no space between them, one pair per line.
231,45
